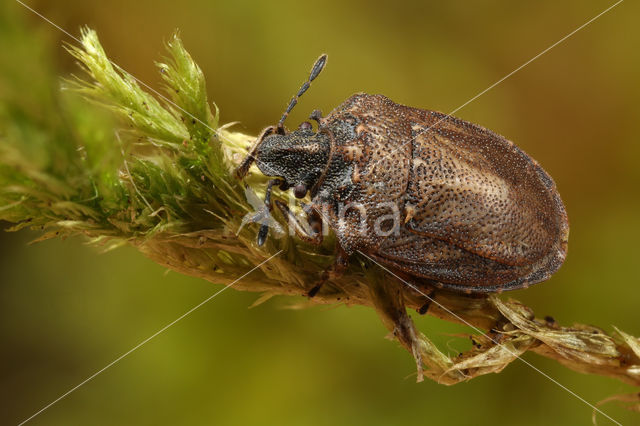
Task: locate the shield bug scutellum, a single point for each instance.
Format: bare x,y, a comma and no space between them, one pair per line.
463,208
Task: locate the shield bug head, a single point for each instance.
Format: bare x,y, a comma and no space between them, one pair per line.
296,159
277,136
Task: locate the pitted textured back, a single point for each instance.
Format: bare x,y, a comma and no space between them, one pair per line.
442,200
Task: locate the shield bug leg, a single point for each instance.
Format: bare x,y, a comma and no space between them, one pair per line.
424,308
315,71
388,297
334,271
243,168
307,232
264,213
315,220
428,293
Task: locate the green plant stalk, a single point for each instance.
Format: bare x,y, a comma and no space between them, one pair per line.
158,174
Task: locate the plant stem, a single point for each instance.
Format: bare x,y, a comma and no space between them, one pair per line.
158,175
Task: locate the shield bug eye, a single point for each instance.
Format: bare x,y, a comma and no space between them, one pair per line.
305,125
299,191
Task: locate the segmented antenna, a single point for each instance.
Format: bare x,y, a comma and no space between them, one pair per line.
315,71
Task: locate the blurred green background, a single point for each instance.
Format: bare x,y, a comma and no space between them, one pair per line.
66,311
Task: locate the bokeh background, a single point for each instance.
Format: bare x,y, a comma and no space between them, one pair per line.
66,310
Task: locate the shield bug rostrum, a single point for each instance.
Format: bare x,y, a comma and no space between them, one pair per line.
438,199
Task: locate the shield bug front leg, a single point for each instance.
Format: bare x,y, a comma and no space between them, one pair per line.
243,168
263,215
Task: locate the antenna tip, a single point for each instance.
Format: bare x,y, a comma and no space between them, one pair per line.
318,66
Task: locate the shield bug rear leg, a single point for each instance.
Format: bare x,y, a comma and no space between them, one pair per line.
427,292
424,308
429,298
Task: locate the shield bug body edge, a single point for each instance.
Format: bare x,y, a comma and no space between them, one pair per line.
438,199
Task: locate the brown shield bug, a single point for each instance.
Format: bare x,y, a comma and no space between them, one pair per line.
436,198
